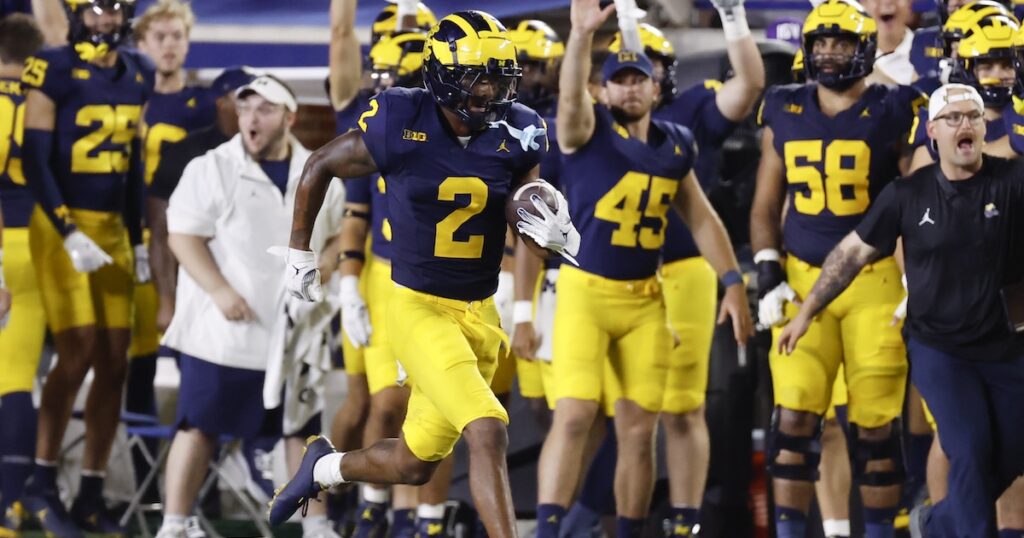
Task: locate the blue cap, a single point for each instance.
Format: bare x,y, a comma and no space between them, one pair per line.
626,60
232,78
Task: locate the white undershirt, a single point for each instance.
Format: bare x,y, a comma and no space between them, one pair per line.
896,64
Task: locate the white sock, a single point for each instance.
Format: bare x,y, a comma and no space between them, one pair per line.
836,527
430,511
313,523
375,495
171,520
327,470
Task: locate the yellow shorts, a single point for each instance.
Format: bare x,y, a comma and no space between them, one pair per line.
21,342
839,393
621,322
505,374
690,288
855,330
355,358
531,380
145,336
380,366
72,299
450,350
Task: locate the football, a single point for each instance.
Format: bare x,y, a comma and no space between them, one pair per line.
521,199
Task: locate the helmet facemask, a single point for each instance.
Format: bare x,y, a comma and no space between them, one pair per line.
89,43
453,87
858,65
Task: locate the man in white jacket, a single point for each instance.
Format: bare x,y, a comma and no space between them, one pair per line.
232,204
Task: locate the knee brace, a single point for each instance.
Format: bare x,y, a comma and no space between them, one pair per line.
808,446
863,451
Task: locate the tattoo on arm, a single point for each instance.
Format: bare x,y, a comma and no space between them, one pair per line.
841,267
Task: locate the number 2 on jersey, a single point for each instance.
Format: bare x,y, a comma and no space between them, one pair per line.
621,205
445,244
847,164
12,119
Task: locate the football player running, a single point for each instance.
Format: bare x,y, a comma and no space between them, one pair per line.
447,185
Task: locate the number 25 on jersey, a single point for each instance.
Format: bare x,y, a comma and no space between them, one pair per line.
844,187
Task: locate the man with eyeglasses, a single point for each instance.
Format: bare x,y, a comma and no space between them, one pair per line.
961,240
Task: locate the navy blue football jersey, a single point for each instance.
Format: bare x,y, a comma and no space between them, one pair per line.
926,51
169,117
620,190
370,189
98,116
1013,117
696,110
835,166
446,202
15,200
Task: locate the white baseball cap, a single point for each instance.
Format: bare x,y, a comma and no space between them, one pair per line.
270,89
941,97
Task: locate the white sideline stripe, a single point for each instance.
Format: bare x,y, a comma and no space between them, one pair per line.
293,35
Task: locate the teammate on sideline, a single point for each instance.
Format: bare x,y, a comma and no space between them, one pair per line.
829,146
21,336
711,110
446,255
950,215
82,161
222,218
617,272
174,110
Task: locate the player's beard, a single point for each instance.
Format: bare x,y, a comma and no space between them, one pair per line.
274,139
623,116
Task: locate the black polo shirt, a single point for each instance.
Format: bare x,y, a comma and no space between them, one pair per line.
962,242
177,156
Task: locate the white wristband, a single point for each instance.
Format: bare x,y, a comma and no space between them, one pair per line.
767,255
522,312
350,285
734,23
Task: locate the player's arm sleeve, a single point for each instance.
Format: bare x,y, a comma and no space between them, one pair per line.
373,123
713,127
37,144
535,155
198,201
551,163
880,226
135,194
357,191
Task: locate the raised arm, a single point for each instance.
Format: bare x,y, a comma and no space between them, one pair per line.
714,245
841,266
345,69
52,21
575,119
736,98
345,157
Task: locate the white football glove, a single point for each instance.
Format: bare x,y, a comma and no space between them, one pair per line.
355,318
770,311
302,274
901,309
142,270
554,232
85,254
